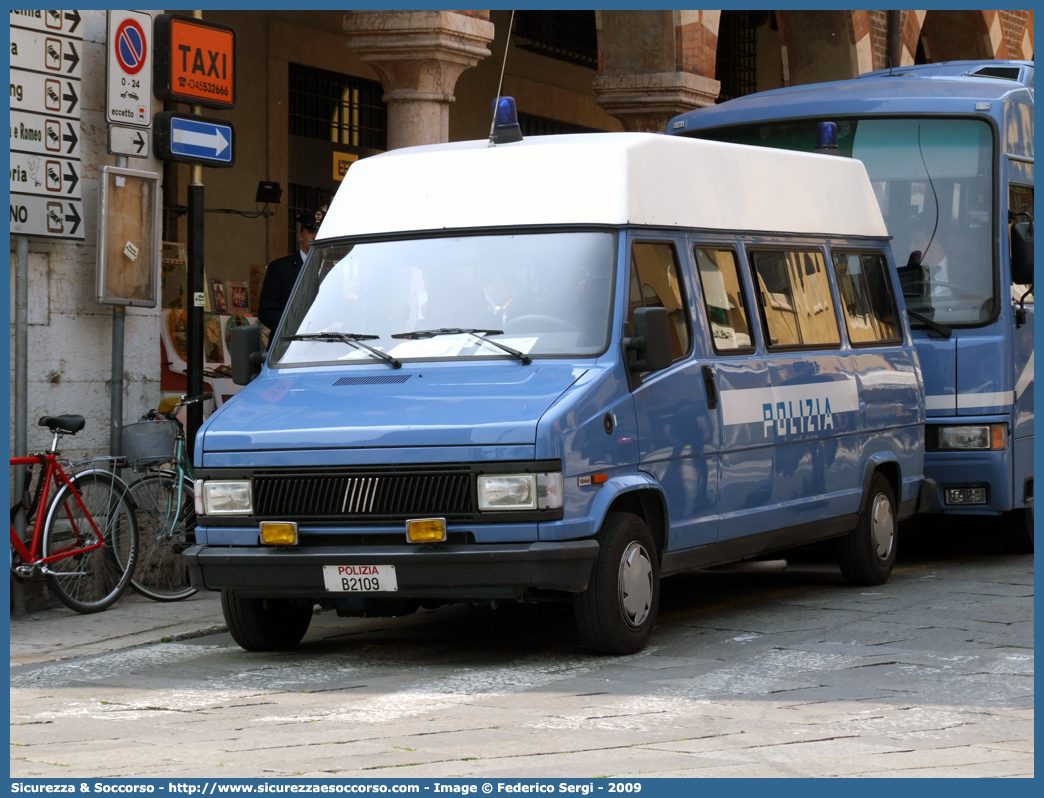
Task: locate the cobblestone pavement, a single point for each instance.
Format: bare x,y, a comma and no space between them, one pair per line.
769,674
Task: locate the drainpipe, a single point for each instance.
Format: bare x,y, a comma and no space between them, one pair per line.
895,39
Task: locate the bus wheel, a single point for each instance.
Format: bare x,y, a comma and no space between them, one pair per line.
259,624
866,555
617,612
1016,529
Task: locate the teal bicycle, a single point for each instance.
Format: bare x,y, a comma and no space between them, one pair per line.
164,502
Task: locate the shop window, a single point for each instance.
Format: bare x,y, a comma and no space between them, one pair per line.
539,126
565,35
796,304
338,108
656,283
870,314
723,298
302,199
737,56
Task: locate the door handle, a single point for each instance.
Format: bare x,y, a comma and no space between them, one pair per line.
711,387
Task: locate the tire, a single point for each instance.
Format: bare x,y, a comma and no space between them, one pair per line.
259,624
617,612
866,555
1016,528
92,581
165,530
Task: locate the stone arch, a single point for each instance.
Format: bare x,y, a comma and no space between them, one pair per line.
820,46
959,36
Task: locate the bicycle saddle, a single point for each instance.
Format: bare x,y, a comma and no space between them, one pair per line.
70,424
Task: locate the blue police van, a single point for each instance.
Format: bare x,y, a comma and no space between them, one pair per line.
561,369
949,151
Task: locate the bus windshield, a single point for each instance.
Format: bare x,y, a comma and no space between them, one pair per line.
933,178
535,294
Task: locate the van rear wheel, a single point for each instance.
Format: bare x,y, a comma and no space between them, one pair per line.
260,624
617,612
866,555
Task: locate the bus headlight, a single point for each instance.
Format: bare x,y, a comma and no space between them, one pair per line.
520,491
972,438
227,498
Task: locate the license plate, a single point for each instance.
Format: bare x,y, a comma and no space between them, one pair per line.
360,578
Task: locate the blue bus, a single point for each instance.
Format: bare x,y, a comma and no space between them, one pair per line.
949,150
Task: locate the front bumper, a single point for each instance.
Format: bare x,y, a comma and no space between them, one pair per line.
482,571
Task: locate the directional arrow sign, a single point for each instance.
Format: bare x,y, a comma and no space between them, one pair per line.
43,135
45,175
194,139
132,141
39,52
49,94
43,216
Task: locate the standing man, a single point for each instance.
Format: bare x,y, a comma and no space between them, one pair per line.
282,273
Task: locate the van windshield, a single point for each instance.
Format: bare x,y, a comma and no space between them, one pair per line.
933,178
539,294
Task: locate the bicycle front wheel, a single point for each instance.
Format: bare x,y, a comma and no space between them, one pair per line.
165,529
89,581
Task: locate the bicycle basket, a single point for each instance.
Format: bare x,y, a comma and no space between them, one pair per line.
149,442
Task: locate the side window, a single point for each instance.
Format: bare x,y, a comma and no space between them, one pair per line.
794,291
656,283
866,293
1020,199
723,298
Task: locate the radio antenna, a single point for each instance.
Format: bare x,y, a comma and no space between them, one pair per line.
932,184
500,84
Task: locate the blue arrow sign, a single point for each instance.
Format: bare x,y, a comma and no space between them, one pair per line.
201,140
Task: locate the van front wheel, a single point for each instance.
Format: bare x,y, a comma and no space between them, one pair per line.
616,614
259,624
866,555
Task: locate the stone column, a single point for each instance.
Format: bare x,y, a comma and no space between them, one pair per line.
654,65
419,55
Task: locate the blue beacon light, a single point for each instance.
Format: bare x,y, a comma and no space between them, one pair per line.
826,138
505,124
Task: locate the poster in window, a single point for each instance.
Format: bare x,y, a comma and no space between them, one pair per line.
238,296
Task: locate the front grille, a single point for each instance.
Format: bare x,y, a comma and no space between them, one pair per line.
370,495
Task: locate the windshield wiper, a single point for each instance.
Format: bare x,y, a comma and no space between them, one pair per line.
474,332
942,329
352,339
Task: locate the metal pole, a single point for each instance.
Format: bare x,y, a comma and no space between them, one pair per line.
895,39
119,318
21,401
194,371
196,291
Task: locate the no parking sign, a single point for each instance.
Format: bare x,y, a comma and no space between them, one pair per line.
129,68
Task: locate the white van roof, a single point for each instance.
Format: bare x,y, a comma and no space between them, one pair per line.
604,178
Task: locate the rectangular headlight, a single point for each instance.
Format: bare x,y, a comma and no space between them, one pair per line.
973,438
227,498
521,491
507,492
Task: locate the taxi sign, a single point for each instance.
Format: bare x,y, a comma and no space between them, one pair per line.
195,61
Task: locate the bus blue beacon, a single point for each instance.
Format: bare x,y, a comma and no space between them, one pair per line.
949,151
560,369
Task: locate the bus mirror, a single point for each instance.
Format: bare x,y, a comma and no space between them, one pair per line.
245,346
652,340
913,278
1022,253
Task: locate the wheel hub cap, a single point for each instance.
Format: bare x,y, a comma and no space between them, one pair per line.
636,585
882,526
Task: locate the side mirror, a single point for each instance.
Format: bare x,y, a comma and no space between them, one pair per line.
247,357
651,341
1022,253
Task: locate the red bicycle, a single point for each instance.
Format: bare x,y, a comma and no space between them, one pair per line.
86,542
